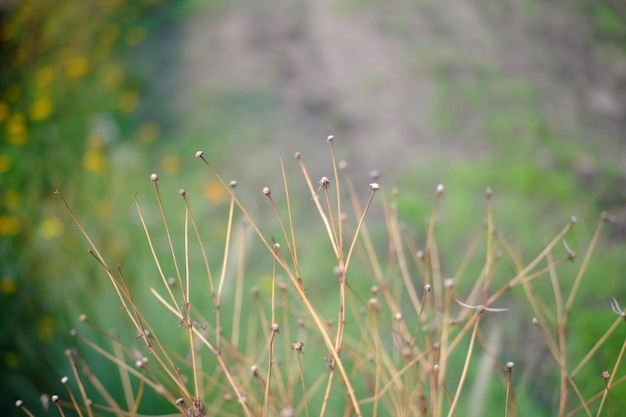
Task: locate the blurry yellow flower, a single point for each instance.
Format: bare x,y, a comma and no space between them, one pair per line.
148,132
135,36
16,129
41,108
112,77
13,92
5,163
4,110
170,164
11,199
96,140
94,161
51,227
129,101
46,329
214,192
9,225
44,76
76,66
110,33
8,285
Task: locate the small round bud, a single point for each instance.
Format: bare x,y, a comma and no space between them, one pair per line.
199,154
19,403
54,398
374,289
343,165
398,316
297,155
573,219
180,401
373,305
139,363
606,375
233,184
182,192
420,254
330,138
267,191
448,283
427,288
488,192
73,332
510,365
374,174
324,182
154,177
535,321
171,281
254,370
275,327
436,367
64,380
300,322
82,317
374,186
440,189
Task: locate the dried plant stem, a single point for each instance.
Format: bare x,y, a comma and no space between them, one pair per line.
468,357
314,315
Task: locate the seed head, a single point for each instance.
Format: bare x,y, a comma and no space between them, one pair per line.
54,398
180,401
267,191
427,288
510,366
374,186
199,154
275,328
440,189
298,155
606,375
298,346
398,316
324,182
154,177
343,165
374,175
182,192
330,138
233,184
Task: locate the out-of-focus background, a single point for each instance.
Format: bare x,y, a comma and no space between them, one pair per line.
527,97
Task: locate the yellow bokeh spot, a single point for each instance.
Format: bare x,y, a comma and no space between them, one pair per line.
4,110
46,329
51,227
13,92
112,77
110,34
129,101
9,225
16,129
76,66
94,161
170,164
11,199
44,76
149,132
214,192
5,163
8,285
96,140
135,36
41,108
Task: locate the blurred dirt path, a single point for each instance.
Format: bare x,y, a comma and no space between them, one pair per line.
380,76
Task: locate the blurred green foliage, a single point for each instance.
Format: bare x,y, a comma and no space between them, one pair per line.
73,99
